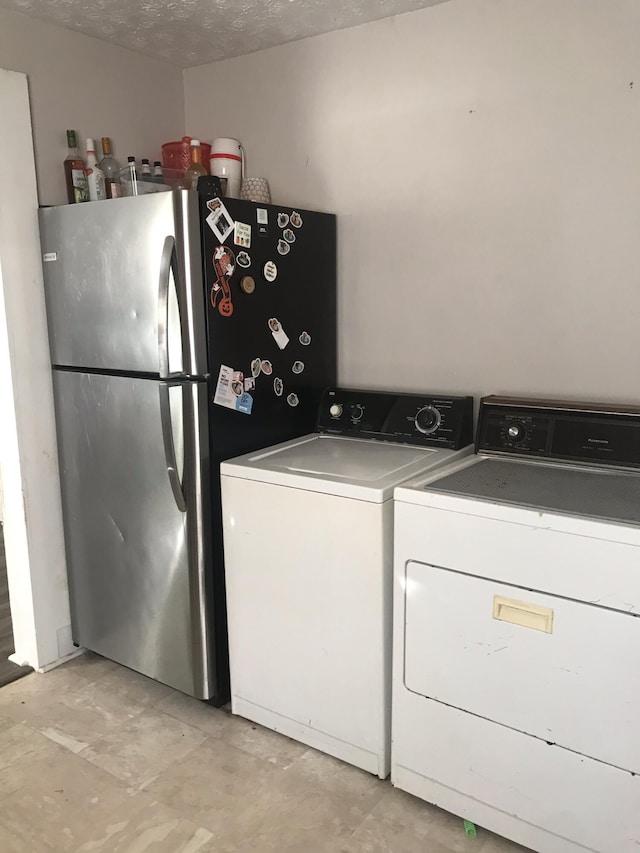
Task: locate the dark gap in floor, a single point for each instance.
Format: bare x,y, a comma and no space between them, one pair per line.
9,671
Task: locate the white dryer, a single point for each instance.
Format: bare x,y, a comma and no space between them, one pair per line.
308,538
516,673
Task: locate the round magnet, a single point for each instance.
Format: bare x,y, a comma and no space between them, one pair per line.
274,325
243,260
283,220
296,219
292,400
266,366
278,386
297,366
256,367
305,339
270,271
289,236
225,307
283,247
248,284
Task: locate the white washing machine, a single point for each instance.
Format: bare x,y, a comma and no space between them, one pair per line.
308,529
516,672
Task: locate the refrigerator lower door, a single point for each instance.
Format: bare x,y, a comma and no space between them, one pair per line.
135,490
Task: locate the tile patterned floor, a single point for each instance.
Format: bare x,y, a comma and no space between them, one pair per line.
94,757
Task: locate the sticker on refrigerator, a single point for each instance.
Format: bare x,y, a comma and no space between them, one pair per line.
243,260
289,236
270,271
50,256
266,366
292,400
278,333
219,219
297,367
256,367
249,384
295,219
223,265
225,394
283,220
242,235
262,216
278,386
305,339
237,382
283,247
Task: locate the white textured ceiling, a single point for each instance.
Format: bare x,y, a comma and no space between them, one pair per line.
193,32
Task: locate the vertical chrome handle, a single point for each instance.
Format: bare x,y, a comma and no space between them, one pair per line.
169,447
166,267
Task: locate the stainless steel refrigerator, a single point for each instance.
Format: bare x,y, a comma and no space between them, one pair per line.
141,352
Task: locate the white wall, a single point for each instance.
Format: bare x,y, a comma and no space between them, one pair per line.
483,158
33,533
97,88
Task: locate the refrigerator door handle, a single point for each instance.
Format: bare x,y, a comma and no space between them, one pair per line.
167,267
169,447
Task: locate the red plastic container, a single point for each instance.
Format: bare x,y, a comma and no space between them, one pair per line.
177,155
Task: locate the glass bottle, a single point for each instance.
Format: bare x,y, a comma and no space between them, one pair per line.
196,169
158,177
74,172
146,171
95,175
111,169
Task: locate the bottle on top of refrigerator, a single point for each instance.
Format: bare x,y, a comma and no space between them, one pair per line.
95,175
74,172
133,169
196,169
110,168
146,171
158,177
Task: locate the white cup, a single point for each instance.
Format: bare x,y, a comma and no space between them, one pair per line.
227,162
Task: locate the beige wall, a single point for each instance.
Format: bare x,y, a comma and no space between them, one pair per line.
97,88
482,156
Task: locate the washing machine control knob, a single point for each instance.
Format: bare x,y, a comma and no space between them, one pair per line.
427,420
516,432
356,411
335,410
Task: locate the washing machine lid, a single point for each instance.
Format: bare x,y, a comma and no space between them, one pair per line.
348,467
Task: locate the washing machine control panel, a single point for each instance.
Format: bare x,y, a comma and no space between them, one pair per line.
564,431
425,420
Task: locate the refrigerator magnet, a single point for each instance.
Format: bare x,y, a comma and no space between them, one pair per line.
244,403
247,284
267,367
249,383
223,265
289,236
297,367
292,400
219,219
283,220
270,271
262,216
256,367
295,219
278,333
278,386
242,235
283,247
243,260
224,395
305,339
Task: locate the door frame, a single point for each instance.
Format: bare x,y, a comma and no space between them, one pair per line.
32,512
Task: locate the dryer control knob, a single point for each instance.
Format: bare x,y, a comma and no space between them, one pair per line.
427,420
516,432
336,410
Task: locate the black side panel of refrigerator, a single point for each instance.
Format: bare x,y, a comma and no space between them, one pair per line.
275,340
302,300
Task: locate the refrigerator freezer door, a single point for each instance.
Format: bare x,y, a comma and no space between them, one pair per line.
118,277
136,554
